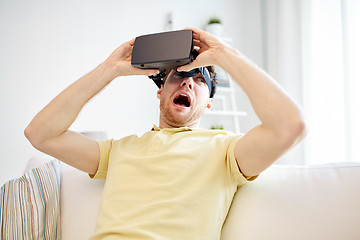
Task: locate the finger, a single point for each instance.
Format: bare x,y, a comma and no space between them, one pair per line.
201,50
187,28
131,42
203,36
195,31
147,72
201,45
196,36
188,67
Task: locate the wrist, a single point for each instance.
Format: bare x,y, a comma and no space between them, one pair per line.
109,69
226,57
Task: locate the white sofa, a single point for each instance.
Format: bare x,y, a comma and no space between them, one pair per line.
284,202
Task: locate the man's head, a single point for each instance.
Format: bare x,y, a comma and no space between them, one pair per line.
184,98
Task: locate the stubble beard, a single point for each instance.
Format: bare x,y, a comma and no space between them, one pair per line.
192,119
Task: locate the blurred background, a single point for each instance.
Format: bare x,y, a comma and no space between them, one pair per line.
311,48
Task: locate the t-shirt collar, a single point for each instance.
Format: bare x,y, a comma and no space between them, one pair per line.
180,129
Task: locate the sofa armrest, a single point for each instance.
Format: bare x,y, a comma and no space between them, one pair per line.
298,202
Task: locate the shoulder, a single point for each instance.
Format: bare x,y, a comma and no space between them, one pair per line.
113,142
216,136
219,133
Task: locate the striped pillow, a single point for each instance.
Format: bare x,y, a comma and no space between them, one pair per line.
29,205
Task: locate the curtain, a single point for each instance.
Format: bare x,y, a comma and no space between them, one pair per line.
312,48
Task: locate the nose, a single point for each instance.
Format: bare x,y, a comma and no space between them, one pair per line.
188,81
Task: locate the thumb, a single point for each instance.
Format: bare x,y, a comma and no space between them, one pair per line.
147,72
189,66
150,72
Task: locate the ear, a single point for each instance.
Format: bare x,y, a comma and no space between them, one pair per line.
209,104
160,91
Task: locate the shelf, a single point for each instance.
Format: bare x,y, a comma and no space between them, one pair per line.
226,113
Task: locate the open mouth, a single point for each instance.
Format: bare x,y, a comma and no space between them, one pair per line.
182,100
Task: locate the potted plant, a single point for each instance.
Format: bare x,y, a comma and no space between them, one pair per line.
215,26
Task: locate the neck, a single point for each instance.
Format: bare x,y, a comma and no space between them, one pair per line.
165,124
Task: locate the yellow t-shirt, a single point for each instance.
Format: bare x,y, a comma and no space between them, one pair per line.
172,183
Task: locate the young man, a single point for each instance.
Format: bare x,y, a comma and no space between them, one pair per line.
176,181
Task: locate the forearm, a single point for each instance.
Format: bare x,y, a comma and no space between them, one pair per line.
282,124
275,109
61,112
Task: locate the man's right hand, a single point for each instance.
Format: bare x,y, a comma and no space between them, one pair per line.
121,60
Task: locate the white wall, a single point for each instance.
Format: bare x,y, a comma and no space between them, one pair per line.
47,45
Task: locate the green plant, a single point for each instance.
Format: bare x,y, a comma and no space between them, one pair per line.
214,20
217,127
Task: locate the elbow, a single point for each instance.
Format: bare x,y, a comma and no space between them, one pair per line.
295,132
302,129
31,134
28,133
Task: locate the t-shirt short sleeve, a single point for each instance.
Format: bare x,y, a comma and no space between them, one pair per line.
235,170
105,148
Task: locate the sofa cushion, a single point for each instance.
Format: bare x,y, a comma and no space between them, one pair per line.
29,205
80,200
293,202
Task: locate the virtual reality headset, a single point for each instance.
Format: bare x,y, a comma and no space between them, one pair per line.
166,51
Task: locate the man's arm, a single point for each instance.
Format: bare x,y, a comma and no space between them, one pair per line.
48,131
282,125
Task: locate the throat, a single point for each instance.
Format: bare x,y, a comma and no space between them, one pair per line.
177,123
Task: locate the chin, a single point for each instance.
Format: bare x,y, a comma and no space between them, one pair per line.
176,117
181,120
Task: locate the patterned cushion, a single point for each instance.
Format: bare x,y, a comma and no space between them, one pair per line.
29,205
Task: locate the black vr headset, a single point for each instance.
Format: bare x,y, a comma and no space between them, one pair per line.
165,51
